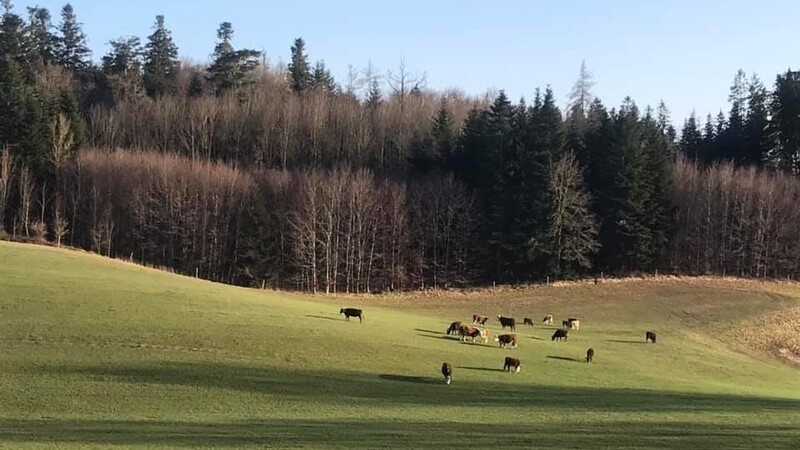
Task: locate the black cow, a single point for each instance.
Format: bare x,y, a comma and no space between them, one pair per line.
650,336
565,324
511,364
507,340
453,328
352,312
507,322
559,335
447,372
527,321
589,355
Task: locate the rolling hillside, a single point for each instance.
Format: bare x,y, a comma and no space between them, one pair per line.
98,352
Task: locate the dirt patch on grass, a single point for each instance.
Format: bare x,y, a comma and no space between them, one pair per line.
777,334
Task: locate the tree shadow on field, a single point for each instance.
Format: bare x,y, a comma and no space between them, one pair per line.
346,388
483,369
338,319
369,433
622,341
408,379
565,358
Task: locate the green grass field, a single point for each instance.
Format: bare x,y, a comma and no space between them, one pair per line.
99,353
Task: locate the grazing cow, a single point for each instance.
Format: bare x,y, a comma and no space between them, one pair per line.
589,355
565,324
511,365
507,340
447,371
527,321
574,324
650,336
352,312
560,334
453,328
466,331
478,319
507,322
548,320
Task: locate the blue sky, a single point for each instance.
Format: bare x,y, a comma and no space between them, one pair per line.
684,52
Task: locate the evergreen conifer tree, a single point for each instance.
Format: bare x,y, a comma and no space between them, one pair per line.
160,61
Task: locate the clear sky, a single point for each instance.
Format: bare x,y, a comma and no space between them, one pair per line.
684,52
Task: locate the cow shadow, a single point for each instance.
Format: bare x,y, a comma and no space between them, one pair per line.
427,331
482,369
565,358
622,341
536,338
407,378
338,319
443,336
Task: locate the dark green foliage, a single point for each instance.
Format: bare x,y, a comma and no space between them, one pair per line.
160,61
786,121
436,150
322,79
692,140
43,42
300,77
231,69
757,137
124,57
72,51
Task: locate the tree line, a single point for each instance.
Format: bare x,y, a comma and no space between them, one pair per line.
242,172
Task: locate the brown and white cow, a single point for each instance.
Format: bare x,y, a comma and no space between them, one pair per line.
527,321
478,319
650,336
548,319
507,340
466,331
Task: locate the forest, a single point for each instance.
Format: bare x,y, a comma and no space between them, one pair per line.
277,176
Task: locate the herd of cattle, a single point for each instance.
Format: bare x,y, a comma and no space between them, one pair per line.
509,340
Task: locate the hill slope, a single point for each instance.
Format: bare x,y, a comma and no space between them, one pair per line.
99,352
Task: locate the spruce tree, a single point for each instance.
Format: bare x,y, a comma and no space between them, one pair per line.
14,45
231,69
72,51
124,56
785,125
691,143
322,79
161,63
758,142
299,71
43,41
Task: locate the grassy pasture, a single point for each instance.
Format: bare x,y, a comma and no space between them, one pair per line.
99,353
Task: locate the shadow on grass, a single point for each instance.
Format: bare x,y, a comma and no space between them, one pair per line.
564,358
429,331
408,379
622,341
285,433
338,319
536,338
349,388
439,336
483,369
